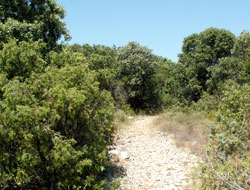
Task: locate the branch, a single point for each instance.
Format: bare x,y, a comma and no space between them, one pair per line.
237,187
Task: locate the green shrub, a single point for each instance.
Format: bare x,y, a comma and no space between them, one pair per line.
65,57
218,173
21,59
207,103
54,130
228,165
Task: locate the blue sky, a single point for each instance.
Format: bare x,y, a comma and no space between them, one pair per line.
161,25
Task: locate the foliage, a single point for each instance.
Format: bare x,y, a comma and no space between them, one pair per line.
20,31
56,119
103,59
39,19
233,113
65,57
203,51
3,82
183,87
208,103
162,78
100,57
227,68
54,128
21,59
207,47
138,68
241,47
225,174
227,166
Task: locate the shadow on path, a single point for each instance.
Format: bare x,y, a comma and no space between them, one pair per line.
113,173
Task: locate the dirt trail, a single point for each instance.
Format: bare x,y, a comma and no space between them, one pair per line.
150,159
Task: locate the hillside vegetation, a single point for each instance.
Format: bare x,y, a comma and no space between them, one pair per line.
57,101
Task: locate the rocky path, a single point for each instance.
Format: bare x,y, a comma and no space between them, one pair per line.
150,159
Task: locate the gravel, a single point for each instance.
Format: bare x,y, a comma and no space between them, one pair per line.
150,159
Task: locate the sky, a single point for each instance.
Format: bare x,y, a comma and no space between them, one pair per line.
161,25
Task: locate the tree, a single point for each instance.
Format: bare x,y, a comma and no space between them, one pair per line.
163,80
241,47
227,68
183,86
235,67
103,60
203,51
19,31
41,19
137,71
208,46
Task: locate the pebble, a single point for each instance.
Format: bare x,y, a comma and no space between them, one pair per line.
124,155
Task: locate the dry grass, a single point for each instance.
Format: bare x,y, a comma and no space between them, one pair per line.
189,130
122,120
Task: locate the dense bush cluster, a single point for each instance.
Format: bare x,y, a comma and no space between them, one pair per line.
228,162
55,128
227,101
131,73
57,101
212,75
56,118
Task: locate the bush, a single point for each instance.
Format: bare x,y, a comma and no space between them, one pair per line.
54,130
21,59
208,103
228,165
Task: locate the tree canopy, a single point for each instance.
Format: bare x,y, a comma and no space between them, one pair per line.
138,68
33,19
202,51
